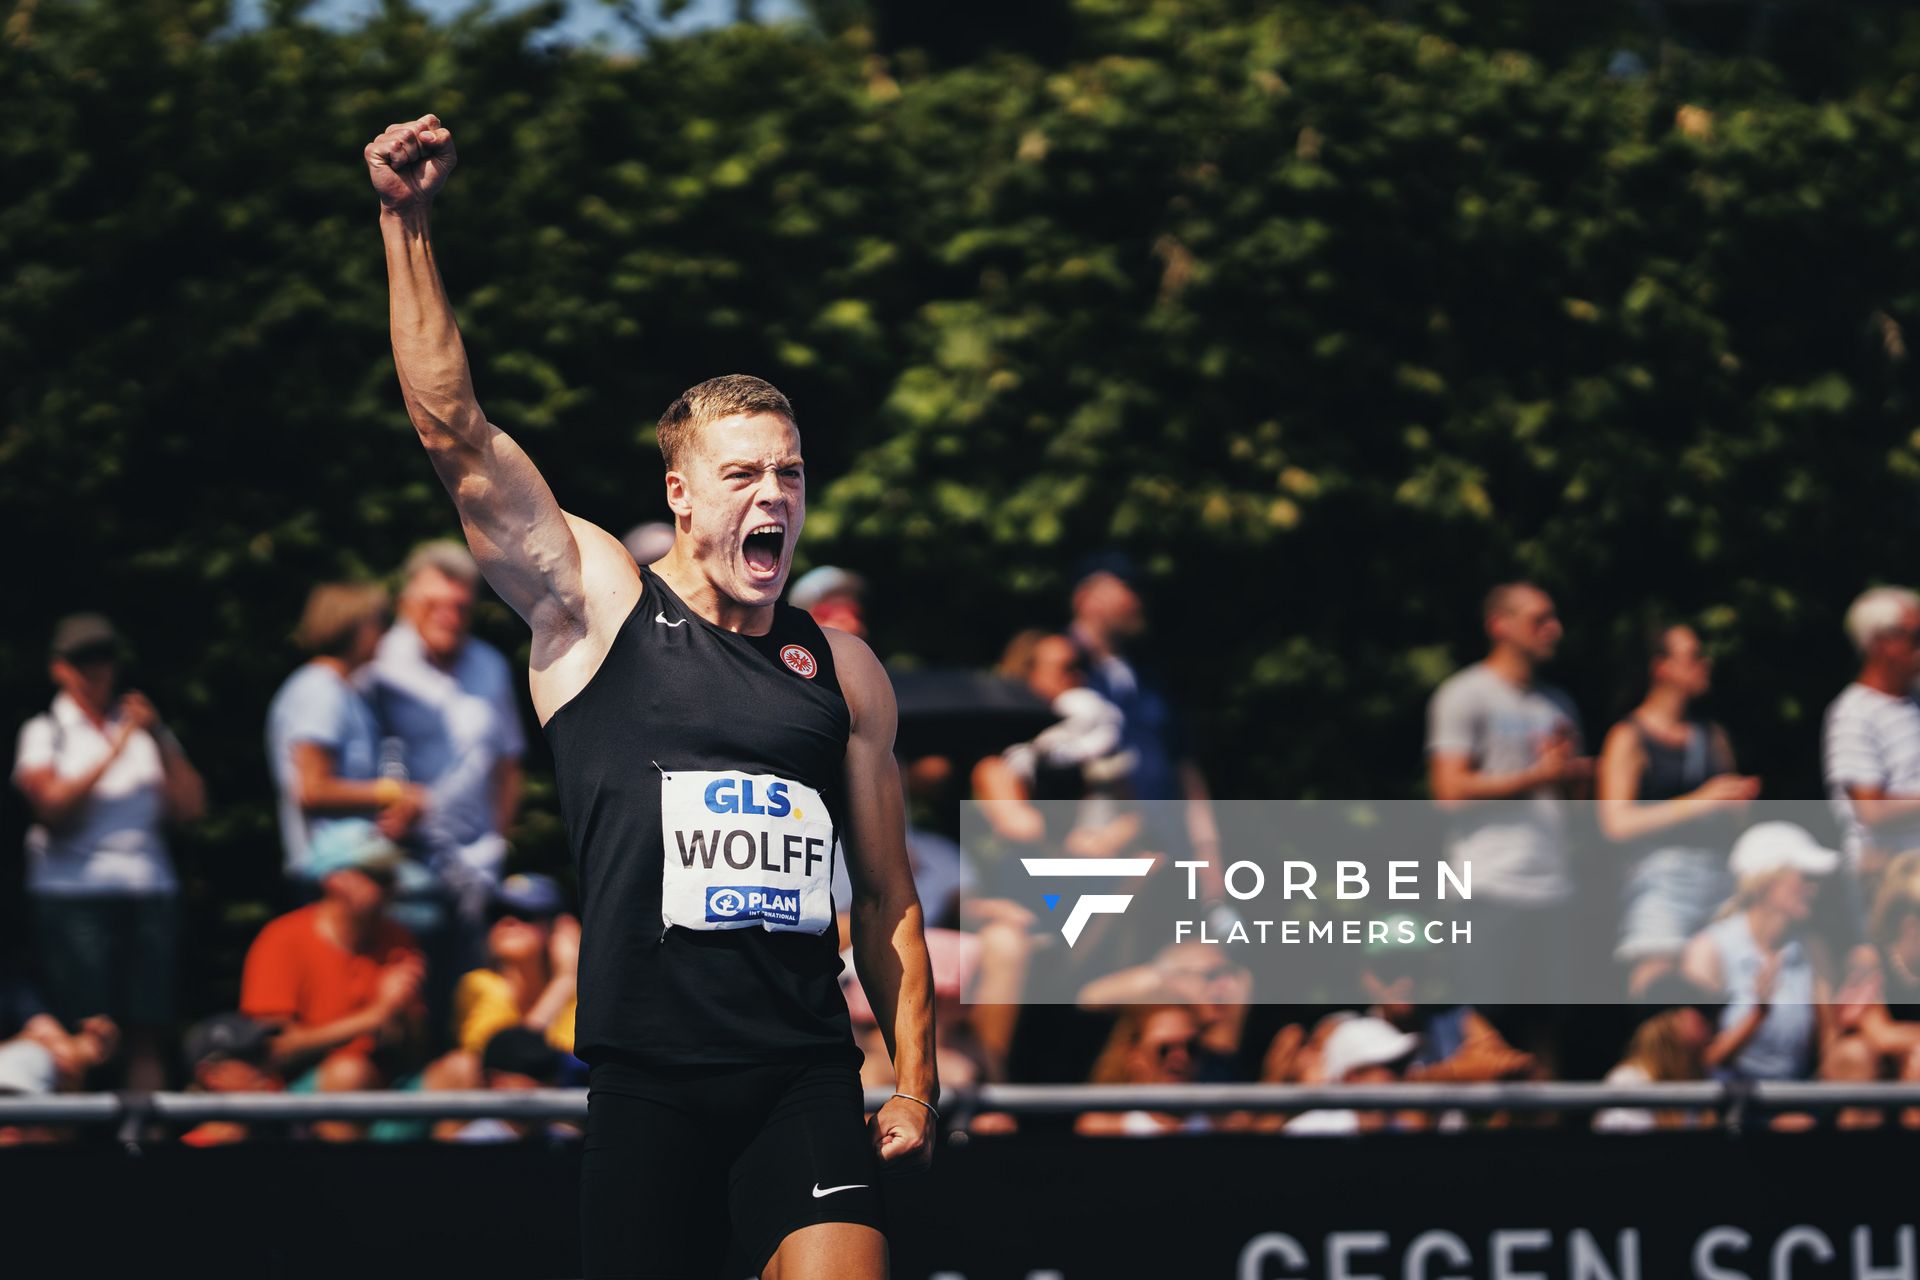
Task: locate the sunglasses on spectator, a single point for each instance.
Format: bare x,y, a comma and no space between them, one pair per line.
1165,1048
94,655
500,911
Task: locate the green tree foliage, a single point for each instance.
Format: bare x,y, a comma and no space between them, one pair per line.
1329,319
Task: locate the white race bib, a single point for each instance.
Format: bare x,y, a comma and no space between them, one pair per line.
744,849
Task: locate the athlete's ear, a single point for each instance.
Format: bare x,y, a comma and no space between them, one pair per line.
677,499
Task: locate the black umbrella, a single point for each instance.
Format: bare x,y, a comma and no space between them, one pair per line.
964,714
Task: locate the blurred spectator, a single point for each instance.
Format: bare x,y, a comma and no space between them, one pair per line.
1668,791
1878,1006
1871,736
448,697
834,596
1503,749
38,1055
1455,1043
1778,1015
229,1053
648,542
1150,1045
1078,758
340,980
533,958
102,776
513,1060
1195,974
322,738
1669,1046
1361,1050
939,873
960,1056
1108,620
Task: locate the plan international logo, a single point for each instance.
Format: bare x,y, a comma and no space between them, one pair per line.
1091,904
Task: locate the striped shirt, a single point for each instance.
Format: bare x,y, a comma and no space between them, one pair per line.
1872,739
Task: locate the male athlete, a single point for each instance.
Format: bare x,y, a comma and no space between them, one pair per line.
714,750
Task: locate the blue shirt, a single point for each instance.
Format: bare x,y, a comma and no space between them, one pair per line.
317,705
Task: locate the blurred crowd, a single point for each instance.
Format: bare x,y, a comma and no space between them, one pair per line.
408,955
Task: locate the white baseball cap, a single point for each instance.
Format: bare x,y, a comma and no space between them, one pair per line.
1769,846
1364,1042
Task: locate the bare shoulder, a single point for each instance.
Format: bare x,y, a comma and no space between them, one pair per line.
1622,739
863,681
570,645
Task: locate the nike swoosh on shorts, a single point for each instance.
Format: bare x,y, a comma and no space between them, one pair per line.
817,1192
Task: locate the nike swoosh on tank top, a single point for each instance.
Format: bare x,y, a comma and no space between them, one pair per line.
701,777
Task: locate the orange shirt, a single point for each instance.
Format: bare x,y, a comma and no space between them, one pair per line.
296,973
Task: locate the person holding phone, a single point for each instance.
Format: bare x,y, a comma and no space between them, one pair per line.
103,777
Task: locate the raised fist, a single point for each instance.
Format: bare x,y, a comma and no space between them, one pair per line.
410,162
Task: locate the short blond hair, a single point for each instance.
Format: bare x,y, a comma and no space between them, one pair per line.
712,400
334,612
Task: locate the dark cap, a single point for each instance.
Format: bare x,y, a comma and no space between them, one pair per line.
82,632
521,1051
530,896
228,1035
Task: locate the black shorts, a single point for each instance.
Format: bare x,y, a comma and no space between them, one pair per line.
703,1171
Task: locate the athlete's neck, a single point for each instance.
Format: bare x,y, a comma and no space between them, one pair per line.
697,592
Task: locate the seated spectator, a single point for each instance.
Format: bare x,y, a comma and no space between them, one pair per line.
74,1054
1778,1015
342,982
1150,1045
103,777
322,739
515,1059
1456,1044
38,1055
1878,1005
1214,989
1361,1050
1669,795
229,1053
1669,1046
533,953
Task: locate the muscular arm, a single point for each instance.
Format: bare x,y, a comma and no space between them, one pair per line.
546,564
889,940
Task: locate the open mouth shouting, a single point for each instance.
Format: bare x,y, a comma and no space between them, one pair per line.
762,550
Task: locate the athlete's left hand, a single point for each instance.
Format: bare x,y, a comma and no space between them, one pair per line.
902,1133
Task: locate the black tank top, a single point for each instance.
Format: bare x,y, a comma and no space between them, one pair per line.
700,775
1674,771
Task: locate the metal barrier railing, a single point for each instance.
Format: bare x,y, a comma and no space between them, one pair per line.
958,1105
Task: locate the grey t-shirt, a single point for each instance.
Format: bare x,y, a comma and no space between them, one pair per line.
1517,848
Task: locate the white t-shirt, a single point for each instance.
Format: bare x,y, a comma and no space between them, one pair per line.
1872,739
114,846
1518,848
